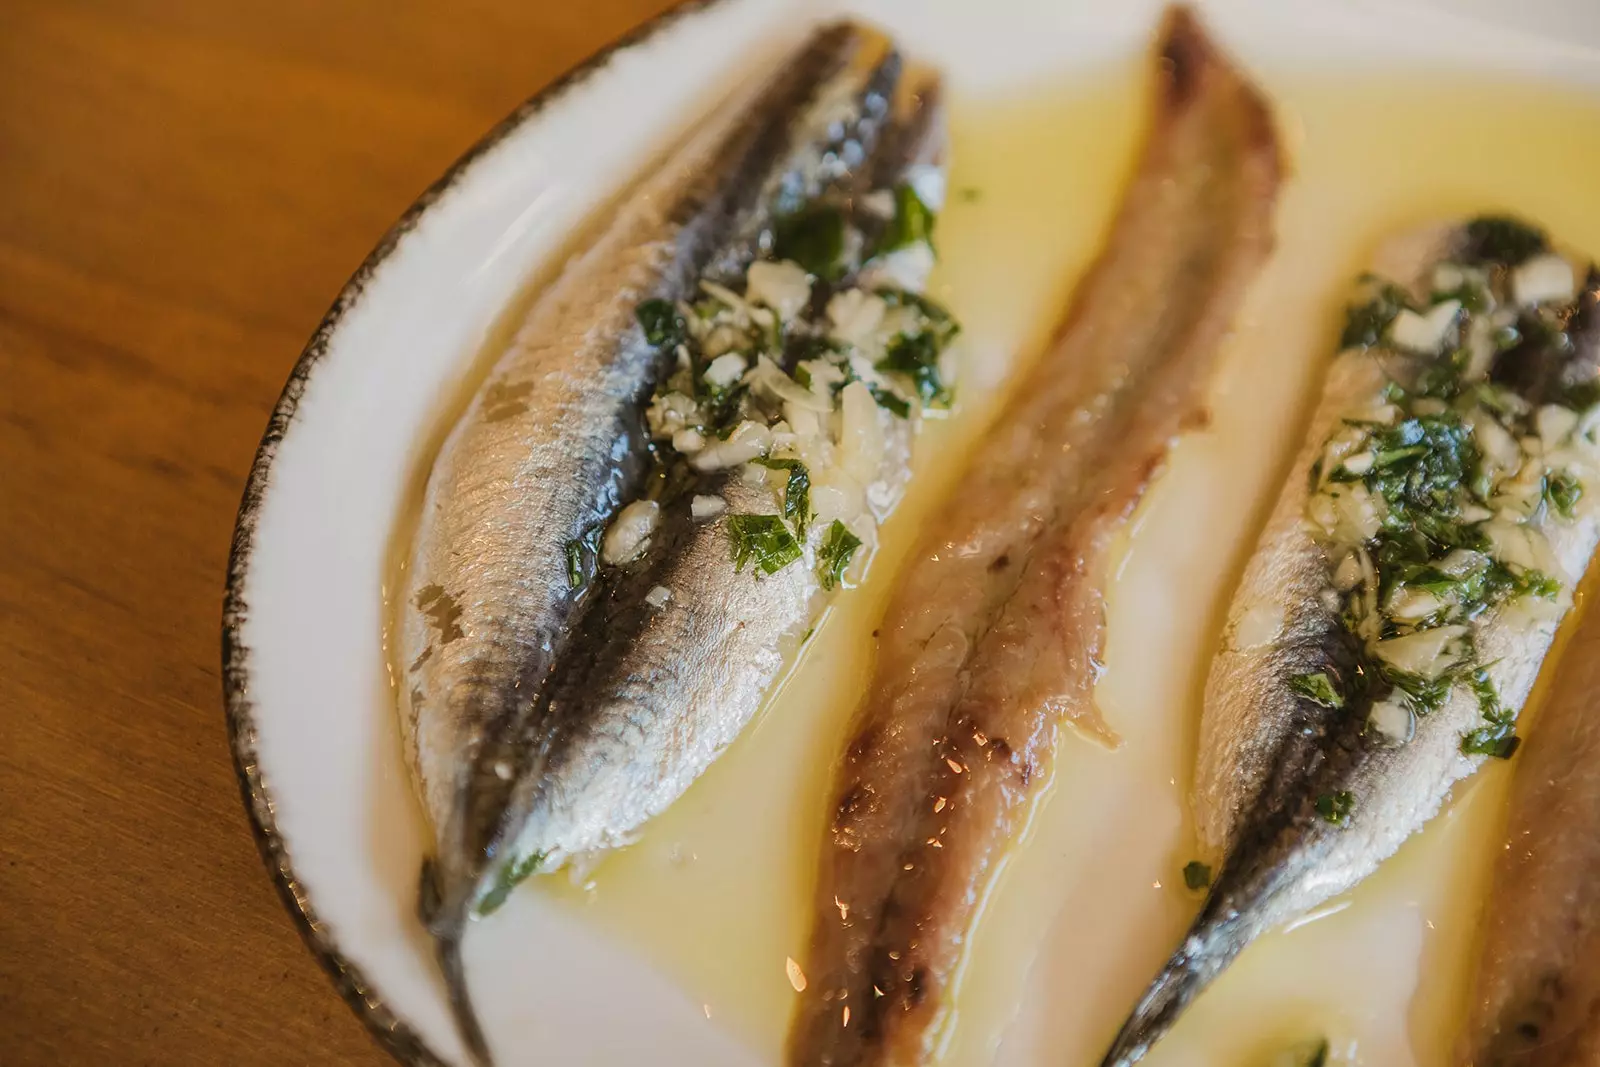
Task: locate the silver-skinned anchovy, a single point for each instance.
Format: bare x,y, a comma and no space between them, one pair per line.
1406,589
556,690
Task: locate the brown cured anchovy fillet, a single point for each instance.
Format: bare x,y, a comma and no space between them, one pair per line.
1536,1000
554,441
1359,679
993,639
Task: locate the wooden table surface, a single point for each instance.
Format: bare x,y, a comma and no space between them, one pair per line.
184,187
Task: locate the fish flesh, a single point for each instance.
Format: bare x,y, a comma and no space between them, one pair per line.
1408,584
1536,998
992,640
683,641
574,643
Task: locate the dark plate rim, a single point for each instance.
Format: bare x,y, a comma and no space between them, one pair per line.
392,1032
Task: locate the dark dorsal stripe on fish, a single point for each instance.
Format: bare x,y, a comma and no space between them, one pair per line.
1406,590
557,667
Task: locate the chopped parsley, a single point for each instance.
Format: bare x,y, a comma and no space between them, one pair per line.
662,324
894,405
1562,491
833,557
1365,323
813,237
916,356
762,540
796,493
511,876
1196,875
1318,1056
1336,807
581,554
1318,688
1502,240
913,220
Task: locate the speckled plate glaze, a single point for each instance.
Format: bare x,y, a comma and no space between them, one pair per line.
312,725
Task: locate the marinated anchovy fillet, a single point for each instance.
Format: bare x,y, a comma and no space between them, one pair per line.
696,428
1536,1000
991,642
781,439
1406,589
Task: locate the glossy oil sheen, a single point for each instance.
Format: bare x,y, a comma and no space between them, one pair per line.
715,893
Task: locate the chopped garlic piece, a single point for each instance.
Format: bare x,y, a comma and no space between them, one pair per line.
1393,719
1360,463
1260,625
630,532
927,181
1412,605
749,440
725,371
904,268
1425,333
658,597
855,316
669,413
688,441
1543,279
784,287
1348,574
707,507
1555,424
860,436
879,202
1426,653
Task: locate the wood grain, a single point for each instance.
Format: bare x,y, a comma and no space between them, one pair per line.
184,187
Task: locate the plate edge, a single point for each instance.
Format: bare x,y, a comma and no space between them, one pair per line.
392,1033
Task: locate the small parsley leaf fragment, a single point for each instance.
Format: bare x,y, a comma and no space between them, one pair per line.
797,493
833,557
1336,807
1196,875
912,222
1318,688
814,238
662,324
1365,323
511,875
894,405
1498,239
1563,492
762,540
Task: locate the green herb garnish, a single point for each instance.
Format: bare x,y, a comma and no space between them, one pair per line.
1562,491
1498,239
796,493
1196,875
763,540
1336,807
833,557
900,409
511,876
1318,688
814,238
581,553
916,356
661,322
913,220
1365,323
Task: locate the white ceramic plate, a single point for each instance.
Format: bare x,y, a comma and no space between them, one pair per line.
308,705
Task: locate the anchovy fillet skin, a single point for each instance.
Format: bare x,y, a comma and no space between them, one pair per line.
554,442
1536,997
1301,793
992,640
